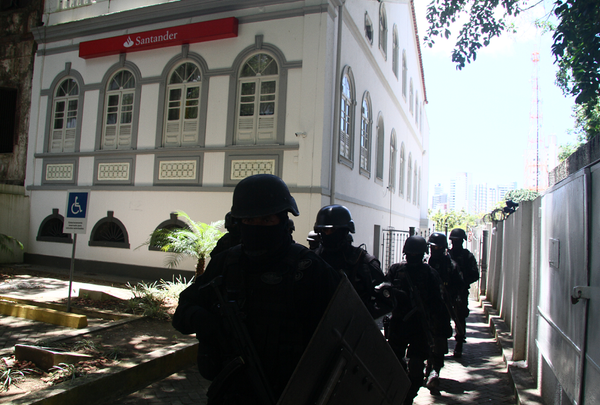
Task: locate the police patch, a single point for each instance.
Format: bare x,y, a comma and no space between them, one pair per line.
304,264
271,278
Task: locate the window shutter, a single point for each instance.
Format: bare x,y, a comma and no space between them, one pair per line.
70,135
172,133
245,129
190,131
125,135
57,141
110,137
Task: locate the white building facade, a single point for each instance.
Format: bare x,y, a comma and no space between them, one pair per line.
157,107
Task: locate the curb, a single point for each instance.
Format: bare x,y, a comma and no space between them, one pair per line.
523,383
46,315
116,382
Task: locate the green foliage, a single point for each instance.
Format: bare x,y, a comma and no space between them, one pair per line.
576,44
10,376
151,299
520,195
483,24
7,243
197,240
452,219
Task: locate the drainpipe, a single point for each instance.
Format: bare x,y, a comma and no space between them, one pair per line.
336,122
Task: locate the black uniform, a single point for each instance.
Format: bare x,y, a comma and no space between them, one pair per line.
420,321
281,298
452,289
467,265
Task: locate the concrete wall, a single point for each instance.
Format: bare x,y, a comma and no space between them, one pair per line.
537,256
14,221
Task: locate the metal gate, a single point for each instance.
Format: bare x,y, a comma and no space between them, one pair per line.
392,243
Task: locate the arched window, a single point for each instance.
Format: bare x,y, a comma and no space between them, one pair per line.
380,147
383,30
417,109
258,83
409,178
368,29
415,183
172,223
118,112
347,103
411,106
393,157
419,190
51,229
109,232
65,114
366,122
183,106
395,51
404,73
402,169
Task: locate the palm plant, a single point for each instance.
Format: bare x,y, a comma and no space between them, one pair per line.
7,243
197,240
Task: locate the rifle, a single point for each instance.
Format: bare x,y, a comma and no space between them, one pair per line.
418,305
247,353
452,309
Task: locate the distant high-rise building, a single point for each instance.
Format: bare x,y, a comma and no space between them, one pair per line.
439,201
459,193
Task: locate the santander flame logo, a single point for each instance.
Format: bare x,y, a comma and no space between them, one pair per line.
128,43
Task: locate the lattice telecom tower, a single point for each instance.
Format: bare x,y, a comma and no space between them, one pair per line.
536,162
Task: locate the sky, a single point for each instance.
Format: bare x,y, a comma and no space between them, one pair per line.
480,116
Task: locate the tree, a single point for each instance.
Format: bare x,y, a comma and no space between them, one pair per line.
446,221
520,195
197,240
576,41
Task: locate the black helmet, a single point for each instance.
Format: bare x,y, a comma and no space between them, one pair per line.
415,245
334,216
458,233
260,195
438,239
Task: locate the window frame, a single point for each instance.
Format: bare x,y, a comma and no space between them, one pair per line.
366,135
103,101
380,148
395,50
393,161
383,30
402,170
68,73
404,74
346,114
368,29
409,179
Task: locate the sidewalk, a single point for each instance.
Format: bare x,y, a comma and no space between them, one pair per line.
479,377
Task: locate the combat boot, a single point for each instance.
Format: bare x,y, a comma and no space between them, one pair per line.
433,381
458,349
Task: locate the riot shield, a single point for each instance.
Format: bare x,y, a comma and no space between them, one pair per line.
347,361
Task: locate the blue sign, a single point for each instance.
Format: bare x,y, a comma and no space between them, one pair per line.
76,212
77,205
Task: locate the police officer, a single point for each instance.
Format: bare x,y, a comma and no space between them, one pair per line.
334,224
452,287
420,324
467,264
264,297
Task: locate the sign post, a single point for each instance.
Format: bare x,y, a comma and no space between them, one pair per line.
75,222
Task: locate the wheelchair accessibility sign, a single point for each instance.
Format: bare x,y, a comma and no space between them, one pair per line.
76,212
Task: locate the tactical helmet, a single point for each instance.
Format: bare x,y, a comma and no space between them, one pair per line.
261,195
415,245
334,216
438,239
458,233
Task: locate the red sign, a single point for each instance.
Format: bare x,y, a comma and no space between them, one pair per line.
143,41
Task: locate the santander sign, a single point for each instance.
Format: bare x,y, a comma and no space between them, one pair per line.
142,41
